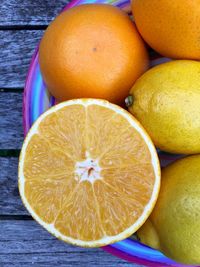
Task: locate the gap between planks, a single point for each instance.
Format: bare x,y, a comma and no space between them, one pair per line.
9,153
16,217
22,27
12,90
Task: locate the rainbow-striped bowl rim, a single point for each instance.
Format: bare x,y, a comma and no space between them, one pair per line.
37,99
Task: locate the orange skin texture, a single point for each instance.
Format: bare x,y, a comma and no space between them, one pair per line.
94,51
172,28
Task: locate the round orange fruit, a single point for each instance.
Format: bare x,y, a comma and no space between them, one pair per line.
88,172
170,27
92,50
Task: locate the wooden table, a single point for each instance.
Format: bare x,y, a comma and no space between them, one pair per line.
22,241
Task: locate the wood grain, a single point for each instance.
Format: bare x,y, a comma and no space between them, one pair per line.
16,51
27,12
11,129
22,241
10,202
25,243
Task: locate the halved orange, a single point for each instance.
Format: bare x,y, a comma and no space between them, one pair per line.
88,172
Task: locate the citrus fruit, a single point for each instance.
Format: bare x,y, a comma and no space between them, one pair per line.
174,225
148,235
92,50
88,172
166,100
170,27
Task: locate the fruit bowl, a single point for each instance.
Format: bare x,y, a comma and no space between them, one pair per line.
37,100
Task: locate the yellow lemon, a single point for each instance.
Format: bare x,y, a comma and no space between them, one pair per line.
148,235
174,225
166,100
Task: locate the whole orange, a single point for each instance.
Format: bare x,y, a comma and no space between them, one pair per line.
92,50
170,27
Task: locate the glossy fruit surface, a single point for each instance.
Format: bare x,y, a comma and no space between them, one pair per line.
166,100
174,225
170,27
92,51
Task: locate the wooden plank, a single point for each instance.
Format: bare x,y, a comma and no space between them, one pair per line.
25,243
29,12
16,51
11,129
10,202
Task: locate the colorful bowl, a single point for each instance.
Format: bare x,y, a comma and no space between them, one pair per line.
37,100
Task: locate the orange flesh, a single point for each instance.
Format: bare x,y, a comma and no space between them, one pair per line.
79,205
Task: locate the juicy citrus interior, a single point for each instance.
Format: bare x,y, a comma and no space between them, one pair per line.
88,172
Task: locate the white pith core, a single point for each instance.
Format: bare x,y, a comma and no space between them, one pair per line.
87,170
155,162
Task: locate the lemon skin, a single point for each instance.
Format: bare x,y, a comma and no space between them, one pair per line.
174,225
166,100
148,235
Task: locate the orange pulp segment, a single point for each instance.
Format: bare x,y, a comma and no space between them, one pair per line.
88,172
